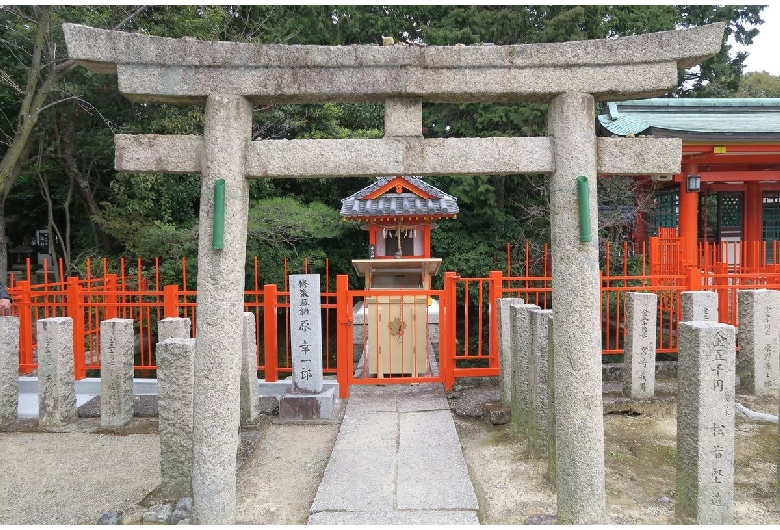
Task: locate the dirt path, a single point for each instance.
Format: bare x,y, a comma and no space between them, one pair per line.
73,477
640,451
277,485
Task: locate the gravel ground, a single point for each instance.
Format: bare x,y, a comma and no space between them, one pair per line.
72,477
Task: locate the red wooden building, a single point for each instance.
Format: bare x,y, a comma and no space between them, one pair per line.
727,197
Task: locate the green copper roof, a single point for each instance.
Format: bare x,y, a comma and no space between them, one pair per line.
703,119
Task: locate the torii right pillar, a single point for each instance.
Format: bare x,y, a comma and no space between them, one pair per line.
576,296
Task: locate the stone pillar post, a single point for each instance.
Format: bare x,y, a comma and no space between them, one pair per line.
9,369
576,301
173,328
250,406
116,372
227,132
56,373
551,405
698,306
505,348
175,361
758,360
538,375
705,424
639,356
521,352
403,117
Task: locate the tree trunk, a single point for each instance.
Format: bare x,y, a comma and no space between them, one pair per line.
67,161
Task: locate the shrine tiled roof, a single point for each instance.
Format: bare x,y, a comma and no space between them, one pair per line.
365,204
695,118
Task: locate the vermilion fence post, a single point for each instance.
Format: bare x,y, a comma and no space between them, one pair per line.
270,342
110,309
171,301
24,308
694,278
76,312
343,335
495,291
447,335
722,281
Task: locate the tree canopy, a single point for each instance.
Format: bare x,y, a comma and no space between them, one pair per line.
57,124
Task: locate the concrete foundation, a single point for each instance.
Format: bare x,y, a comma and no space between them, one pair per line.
302,407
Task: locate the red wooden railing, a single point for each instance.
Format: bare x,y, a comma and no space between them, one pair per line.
467,317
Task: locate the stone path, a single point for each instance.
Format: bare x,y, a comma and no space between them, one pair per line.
397,460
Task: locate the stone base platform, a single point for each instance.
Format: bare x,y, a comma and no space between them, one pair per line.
302,407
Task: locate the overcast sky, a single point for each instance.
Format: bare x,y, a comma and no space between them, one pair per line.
764,53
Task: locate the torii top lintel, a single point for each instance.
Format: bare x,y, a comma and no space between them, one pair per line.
185,70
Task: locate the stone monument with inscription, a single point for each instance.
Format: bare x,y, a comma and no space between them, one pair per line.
307,399
705,424
639,356
758,359
175,366
116,372
56,373
539,382
521,406
698,306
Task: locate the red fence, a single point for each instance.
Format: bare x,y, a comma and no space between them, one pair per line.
139,296
467,319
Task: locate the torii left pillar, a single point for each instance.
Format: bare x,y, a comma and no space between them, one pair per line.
216,413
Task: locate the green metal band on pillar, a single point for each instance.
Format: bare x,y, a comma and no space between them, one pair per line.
583,199
217,237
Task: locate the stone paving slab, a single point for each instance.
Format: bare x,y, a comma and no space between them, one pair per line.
357,479
429,430
397,460
372,398
420,398
427,517
368,430
434,480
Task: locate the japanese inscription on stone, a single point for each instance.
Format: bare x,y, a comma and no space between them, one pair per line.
705,423
639,358
306,332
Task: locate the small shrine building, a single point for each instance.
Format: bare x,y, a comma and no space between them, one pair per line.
399,214
392,332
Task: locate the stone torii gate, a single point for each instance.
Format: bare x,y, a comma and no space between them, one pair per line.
229,78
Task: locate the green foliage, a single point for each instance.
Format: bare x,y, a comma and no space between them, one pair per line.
758,85
284,222
282,228
294,218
